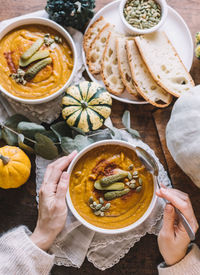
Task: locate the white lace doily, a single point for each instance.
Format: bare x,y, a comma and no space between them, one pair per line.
43,112
70,251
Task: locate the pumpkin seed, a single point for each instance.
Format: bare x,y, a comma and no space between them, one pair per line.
98,206
132,185
92,206
113,186
33,49
131,167
107,206
33,70
103,208
37,56
91,200
133,181
115,194
130,176
97,213
101,200
102,214
114,178
140,181
138,189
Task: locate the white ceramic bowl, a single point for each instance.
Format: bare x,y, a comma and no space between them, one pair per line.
58,28
131,30
87,224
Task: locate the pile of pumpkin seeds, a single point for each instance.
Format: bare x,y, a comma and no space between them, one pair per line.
99,207
142,14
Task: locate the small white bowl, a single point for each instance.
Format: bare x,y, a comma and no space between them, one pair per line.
49,23
131,30
91,226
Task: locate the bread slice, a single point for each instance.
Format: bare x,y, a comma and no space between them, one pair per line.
144,82
95,52
124,67
164,63
91,33
110,70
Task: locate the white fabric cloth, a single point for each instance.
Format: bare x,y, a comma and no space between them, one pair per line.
76,241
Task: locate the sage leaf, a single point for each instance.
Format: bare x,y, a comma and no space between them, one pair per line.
126,120
24,146
101,135
68,144
29,129
61,129
115,133
45,147
78,130
50,134
10,137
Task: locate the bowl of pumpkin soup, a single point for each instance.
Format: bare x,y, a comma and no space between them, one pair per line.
37,60
110,189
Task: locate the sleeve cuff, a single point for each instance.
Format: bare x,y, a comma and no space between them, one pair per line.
21,251
190,264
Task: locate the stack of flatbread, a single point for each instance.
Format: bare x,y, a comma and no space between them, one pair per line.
146,66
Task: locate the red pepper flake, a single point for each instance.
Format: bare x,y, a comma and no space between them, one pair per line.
104,168
11,65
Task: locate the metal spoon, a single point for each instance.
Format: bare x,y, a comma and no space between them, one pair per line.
152,166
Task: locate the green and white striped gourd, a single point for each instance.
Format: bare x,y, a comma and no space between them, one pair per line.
86,106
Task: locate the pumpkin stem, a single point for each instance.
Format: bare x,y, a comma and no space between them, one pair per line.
84,104
4,159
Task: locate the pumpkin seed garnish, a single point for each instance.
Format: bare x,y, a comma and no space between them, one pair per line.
98,206
91,200
48,40
139,9
97,213
140,181
138,189
131,167
101,200
19,77
130,176
107,206
132,186
102,214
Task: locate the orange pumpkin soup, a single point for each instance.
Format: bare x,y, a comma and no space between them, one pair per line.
100,163
50,78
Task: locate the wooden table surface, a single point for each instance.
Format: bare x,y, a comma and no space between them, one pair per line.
19,206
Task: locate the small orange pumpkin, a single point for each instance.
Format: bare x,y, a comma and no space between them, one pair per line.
15,167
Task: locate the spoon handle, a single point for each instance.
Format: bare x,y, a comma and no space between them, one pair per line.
186,224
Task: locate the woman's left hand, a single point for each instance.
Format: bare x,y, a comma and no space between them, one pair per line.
52,204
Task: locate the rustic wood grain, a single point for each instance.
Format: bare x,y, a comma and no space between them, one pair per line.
19,206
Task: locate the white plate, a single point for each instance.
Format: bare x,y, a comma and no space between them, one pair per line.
175,28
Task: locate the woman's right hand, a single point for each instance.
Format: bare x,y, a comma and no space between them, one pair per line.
173,239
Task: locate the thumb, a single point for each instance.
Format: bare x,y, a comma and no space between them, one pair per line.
169,219
62,186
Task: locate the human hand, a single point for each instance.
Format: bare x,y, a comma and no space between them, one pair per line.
173,239
52,205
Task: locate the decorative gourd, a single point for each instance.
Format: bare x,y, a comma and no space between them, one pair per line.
183,134
15,167
86,106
